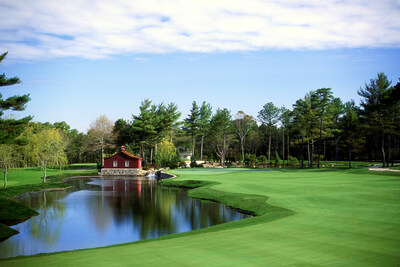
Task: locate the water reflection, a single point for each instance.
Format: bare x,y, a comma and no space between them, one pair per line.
99,212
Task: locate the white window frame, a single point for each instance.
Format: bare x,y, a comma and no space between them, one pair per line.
126,163
115,163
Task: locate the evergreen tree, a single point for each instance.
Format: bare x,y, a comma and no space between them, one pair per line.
10,129
170,119
269,115
286,121
323,99
191,124
336,110
373,108
350,126
143,126
392,119
299,123
204,124
123,133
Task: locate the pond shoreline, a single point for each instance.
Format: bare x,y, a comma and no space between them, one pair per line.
120,189
13,212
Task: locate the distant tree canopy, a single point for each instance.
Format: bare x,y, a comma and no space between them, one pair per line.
317,129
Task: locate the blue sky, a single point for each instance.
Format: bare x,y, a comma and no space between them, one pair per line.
83,59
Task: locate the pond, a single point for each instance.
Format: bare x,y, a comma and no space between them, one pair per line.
100,212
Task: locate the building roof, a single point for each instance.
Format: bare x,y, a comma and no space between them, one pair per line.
123,151
129,154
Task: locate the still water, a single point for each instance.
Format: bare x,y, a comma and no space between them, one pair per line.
100,212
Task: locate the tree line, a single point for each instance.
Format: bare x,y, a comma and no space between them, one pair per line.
319,127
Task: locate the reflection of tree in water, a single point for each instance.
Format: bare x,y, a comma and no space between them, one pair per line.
142,203
154,210
41,226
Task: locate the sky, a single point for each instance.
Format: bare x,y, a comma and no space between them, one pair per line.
80,59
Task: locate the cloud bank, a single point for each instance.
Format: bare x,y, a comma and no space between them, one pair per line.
37,29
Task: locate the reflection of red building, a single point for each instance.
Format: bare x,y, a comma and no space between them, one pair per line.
123,160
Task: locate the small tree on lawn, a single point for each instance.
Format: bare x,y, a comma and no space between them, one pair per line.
166,152
49,148
6,158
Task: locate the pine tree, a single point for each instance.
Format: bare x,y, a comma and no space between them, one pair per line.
204,124
10,129
323,99
373,108
143,126
191,124
350,126
269,115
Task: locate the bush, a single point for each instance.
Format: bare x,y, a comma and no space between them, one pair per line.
293,161
146,168
315,157
262,160
251,159
175,162
277,159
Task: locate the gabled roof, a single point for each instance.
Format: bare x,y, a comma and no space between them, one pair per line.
128,154
123,151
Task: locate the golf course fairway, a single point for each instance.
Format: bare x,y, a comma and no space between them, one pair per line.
305,217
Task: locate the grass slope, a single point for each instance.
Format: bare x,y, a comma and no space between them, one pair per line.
337,217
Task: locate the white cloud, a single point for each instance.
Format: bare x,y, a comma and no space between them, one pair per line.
33,29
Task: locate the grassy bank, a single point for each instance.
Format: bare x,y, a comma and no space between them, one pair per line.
29,180
306,217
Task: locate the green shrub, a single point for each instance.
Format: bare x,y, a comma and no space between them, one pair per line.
251,159
277,159
293,161
262,160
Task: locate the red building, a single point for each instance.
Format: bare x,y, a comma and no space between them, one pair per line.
123,160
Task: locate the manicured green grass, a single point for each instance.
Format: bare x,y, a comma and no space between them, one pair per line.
25,180
306,217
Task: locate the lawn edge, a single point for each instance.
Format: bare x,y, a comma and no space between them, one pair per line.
202,190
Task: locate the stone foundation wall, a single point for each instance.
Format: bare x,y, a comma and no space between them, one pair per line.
122,172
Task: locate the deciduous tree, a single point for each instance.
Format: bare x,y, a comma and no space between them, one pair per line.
101,131
48,148
6,158
242,125
220,129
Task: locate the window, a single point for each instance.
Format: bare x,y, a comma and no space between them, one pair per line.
126,163
115,163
